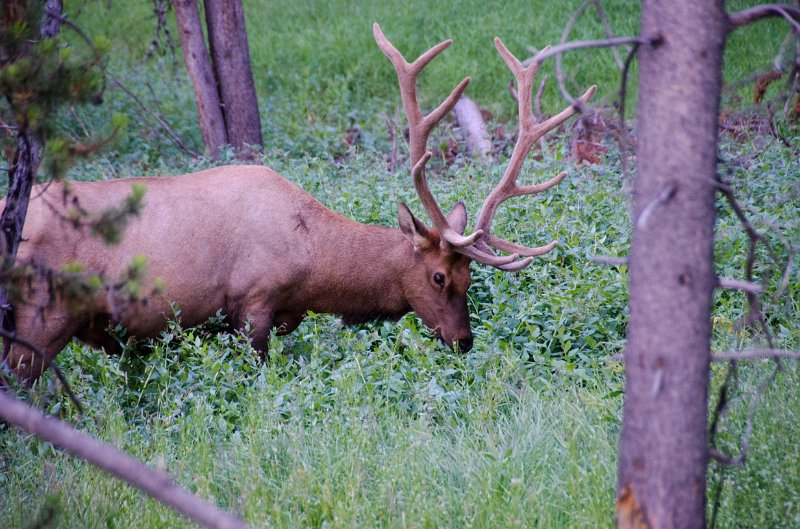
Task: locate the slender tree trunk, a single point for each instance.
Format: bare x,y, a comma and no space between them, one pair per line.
22,172
231,57
663,450
198,64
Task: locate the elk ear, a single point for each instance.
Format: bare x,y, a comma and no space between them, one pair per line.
414,230
457,218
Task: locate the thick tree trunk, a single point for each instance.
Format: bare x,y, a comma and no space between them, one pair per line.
198,64
663,450
231,57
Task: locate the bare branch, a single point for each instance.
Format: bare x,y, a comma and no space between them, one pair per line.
734,284
755,354
164,125
564,36
12,336
744,443
741,18
667,193
609,260
601,14
602,43
117,463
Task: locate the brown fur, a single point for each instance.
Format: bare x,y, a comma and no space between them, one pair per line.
241,239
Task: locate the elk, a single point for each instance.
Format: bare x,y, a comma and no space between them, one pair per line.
245,240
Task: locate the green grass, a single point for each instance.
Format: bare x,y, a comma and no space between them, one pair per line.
378,425
318,71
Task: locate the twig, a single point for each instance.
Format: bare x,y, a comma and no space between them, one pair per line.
744,286
601,14
608,260
744,443
623,134
391,125
755,354
12,336
164,125
559,60
666,194
117,463
602,43
538,100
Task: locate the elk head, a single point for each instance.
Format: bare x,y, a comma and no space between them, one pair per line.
444,249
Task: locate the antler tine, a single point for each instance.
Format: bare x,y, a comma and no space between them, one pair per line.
420,126
430,205
529,133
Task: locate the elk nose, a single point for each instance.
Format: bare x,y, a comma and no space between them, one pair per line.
465,344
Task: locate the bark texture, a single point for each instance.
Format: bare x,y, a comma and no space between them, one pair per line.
231,57
663,450
198,65
22,172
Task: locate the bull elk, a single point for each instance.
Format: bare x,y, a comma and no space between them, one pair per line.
245,240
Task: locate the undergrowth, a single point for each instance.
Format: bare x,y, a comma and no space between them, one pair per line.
378,425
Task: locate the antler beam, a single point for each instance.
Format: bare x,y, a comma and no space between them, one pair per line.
420,126
529,133
480,245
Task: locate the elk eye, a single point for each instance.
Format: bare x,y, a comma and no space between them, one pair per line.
438,278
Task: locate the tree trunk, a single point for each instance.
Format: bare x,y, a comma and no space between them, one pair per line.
22,172
198,64
229,51
663,449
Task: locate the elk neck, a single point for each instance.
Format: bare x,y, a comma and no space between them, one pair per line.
356,271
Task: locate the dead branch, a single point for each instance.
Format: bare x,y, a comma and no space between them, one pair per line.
741,18
537,102
602,43
468,117
162,123
755,354
391,125
117,463
559,59
734,284
623,134
601,14
666,194
744,442
608,260
12,336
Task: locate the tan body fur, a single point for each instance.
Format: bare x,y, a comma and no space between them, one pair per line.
242,239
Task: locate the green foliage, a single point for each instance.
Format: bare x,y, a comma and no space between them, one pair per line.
378,425
40,75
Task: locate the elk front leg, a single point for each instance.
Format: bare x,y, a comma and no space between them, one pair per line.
47,333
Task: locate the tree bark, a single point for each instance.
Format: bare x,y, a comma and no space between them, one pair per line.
22,172
663,449
198,65
231,57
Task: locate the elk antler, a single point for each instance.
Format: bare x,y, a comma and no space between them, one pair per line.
477,246
420,126
529,133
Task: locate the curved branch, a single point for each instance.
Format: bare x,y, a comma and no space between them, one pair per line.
744,17
117,463
601,43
